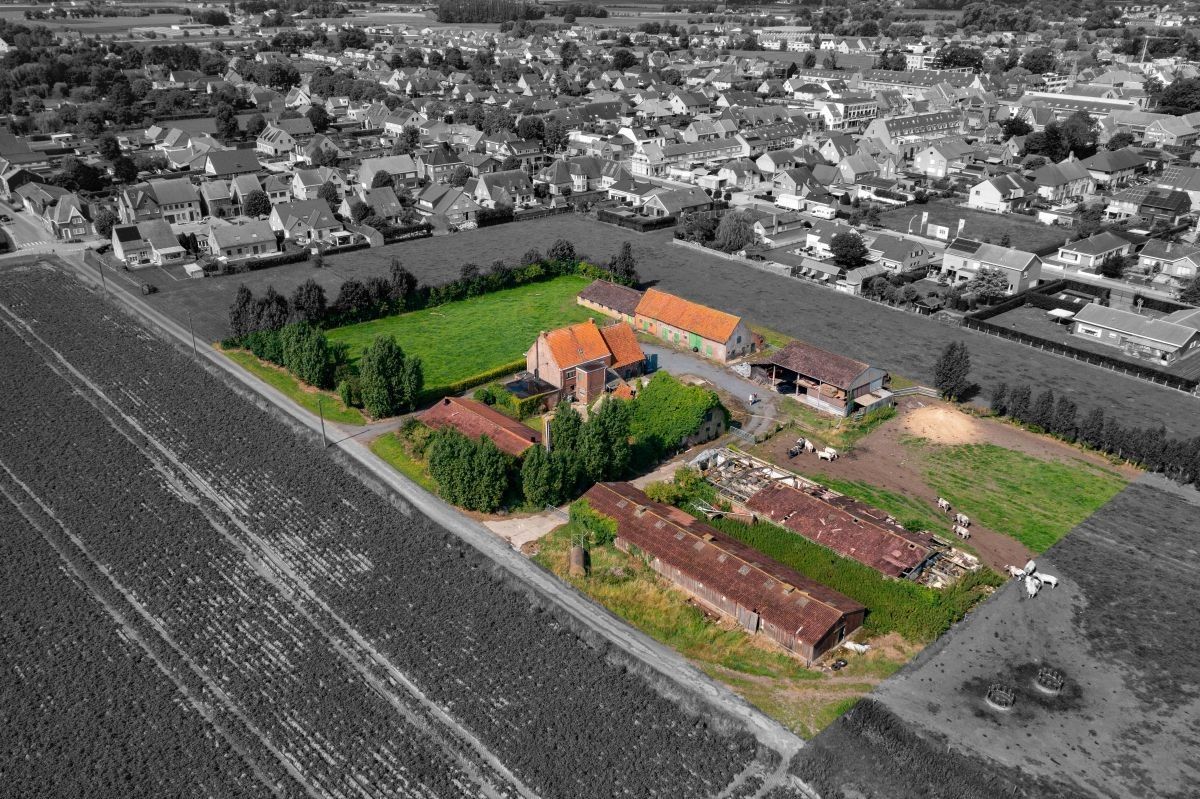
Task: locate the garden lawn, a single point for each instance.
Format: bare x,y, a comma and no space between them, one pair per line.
1024,232
463,343
1036,502
303,395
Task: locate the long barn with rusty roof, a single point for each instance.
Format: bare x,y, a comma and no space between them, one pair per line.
727,576
850,528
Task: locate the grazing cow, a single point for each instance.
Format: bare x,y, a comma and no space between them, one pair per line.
1013,571
828,454
809,446
1046,579
1030,567
962,519
1032,586
962,531
943,504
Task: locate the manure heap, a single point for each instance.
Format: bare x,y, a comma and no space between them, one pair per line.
200,601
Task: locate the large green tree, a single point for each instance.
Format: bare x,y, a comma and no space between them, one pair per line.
848,249
735,232
391,381
951,372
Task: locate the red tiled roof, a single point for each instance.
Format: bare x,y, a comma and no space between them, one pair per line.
576,344
623,344
705,322
782,597
849,528
474,419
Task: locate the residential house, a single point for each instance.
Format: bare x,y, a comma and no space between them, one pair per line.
215,199
847,112
227,163
403,169
1065,181
676,201
824,380
1152,204
1091,252
440,164
306,183
511,188
903,135
964,258
446,201
1112,168
275,142
706,331
382,202
1177,260
176,200
1164,340
939,159
898,254
1003,194
306,221
251,239
581,360
147,242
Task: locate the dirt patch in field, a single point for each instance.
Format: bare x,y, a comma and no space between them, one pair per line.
883,459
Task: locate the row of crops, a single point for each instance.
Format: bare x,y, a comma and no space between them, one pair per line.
351,648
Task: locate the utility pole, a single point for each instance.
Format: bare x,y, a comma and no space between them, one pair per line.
192,331
100,269
321,413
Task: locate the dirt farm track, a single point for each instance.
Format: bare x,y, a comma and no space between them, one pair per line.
199,600
901,342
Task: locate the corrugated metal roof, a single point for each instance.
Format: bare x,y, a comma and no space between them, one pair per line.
780,595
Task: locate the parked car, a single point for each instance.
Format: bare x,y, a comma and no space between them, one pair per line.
5,218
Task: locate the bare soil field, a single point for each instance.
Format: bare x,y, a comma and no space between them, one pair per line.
887,459
901,342
334,638
1126,721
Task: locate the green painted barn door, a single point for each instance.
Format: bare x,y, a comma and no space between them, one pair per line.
693,341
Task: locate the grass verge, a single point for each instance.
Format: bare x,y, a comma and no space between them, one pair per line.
392,449
1036,502
303,395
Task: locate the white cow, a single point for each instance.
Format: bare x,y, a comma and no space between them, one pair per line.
943,504
809,446
828,454
1013,571
1032,586
1046,579
962,519
962,531
1030,567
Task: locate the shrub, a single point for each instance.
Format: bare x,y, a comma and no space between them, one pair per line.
471,474
600,529
391,381
665,413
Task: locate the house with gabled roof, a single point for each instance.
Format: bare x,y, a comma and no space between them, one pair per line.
175,200
307,182
964,258
1064,181
305,220
1002,194
1162,340
150,241
403,169
938,159
253,238
453,204
583,359
509,187
706,331
611,299
1111,168
1089,253
227,163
